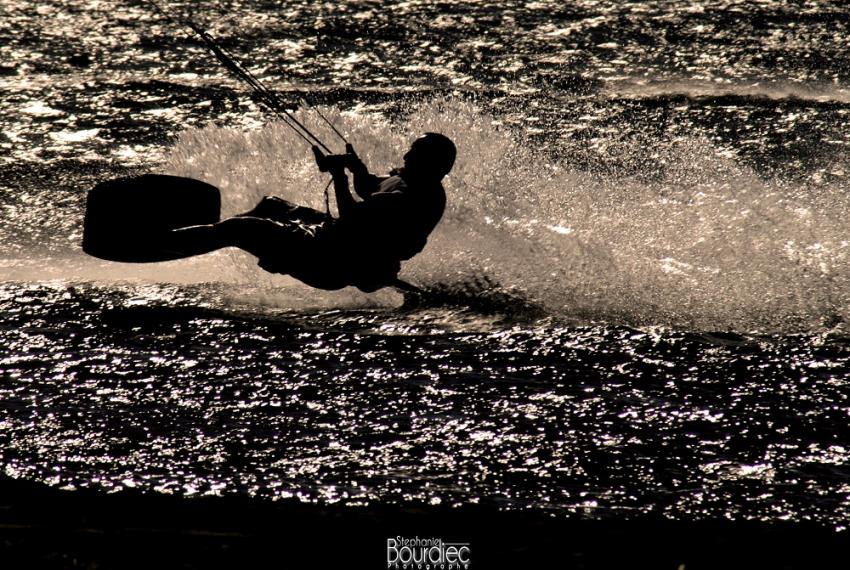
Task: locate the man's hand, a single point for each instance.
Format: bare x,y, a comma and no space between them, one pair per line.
333,163
336,163
353,162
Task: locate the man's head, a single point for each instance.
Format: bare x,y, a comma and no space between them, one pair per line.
430,156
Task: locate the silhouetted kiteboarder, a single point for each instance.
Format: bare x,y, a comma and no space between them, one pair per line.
364,246
157,218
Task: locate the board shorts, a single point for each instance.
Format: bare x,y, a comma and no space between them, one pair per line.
309,246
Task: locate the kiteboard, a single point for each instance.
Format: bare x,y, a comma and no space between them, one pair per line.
127,219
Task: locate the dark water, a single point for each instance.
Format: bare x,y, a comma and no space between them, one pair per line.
644,270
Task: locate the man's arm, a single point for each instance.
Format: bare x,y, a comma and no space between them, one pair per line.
336,164
365,183
345,202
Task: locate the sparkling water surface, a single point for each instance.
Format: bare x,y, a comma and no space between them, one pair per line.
641,282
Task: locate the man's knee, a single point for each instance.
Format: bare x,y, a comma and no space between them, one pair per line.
273,208
255,235
275,201
284,211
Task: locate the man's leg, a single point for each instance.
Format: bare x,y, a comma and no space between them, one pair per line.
281,248
280,210
258,236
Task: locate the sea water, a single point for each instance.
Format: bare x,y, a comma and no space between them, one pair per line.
641,283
